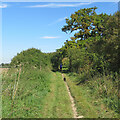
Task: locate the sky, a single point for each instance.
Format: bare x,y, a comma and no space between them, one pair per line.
38,24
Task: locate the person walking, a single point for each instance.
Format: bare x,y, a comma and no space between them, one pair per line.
61,67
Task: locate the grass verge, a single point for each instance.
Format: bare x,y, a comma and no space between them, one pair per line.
23,93
57,103
88,104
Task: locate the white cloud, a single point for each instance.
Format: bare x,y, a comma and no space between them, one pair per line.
3,6
52,5
57,21
50,37
61,19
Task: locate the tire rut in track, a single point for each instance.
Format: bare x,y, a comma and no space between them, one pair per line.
75,114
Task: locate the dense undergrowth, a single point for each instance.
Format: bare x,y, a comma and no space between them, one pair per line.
31,58
100,91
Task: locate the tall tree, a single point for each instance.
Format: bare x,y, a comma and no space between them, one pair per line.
84,23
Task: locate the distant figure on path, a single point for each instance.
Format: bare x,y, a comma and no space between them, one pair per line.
60,67
64,79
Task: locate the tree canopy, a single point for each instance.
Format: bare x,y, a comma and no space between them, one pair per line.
95,45
31,57
85,23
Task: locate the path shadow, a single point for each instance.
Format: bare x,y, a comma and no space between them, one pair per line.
65,71
62,71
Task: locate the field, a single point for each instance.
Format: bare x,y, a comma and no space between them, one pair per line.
35,94
3,70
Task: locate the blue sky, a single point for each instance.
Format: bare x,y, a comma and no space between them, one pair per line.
38,24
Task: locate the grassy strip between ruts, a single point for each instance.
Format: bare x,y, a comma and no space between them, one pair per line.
57,103
86,104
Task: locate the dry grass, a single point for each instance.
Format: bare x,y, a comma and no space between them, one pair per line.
3,70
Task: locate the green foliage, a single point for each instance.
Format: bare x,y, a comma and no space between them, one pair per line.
31,57
23,96
97,97
76,57
95,45
57,57
93,53
34,94
65,62
29,84
56,60
103,87
108,46
5,65
85,23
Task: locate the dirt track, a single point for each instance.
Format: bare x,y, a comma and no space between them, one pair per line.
72,101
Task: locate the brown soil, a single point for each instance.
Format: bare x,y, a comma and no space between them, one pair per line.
3,70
